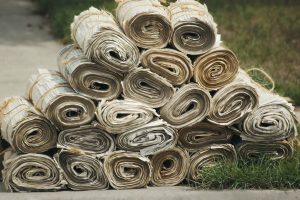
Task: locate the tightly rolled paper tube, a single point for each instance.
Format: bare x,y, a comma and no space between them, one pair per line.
209,156
82,172
127,170
151,138
195,31
195,137
146,22
4,147
274,119
170,167
24,127
274,150
119,116
216,68
53,96
87,78
103,42
31,172
233,102
189,105
173,65
147,87
89,139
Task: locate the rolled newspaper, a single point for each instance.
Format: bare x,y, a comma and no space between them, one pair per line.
89,139
234,101
147,87
189,105
274,150
119,116
4,147
127,170
103,42
82,172
273,120
195,31
24,127
146,22
52,95
193,138
173,65
148,139
87,78
31,172
170,167
209,156
216,68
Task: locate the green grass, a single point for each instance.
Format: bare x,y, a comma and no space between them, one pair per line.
262,173
61,13
262,34
248,174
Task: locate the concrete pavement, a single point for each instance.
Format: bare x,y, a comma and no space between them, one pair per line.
25,44
163,193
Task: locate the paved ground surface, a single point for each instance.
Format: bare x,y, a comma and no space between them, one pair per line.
174,193
25,45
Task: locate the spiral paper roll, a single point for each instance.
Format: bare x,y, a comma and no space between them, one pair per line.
127,170
148,139
102,41
273,120
234,101
195,137
173,65
31,172
195,31
24,127
273,150
82,172
119,116
146,22
87,78
189,105
209,156
216,68
89,139
147,87
52,95
169,167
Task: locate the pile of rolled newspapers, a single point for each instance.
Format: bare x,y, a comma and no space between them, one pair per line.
150,97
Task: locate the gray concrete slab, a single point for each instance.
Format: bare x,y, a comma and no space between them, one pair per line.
163,193
25,45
